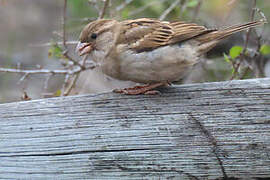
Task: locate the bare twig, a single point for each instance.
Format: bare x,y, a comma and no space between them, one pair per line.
18,65
228,12
252,19
68,86
167,11
261,62
72,67
242,55
264,19
245,72
65,84
102,13
49,44
123,5
197,10
23,78
64,23
75,70
65,91
83,20
84,60
231,2
65,54
37,71
94,4
139,10
71,85
45,86
183,6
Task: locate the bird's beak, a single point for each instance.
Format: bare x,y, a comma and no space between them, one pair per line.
83,48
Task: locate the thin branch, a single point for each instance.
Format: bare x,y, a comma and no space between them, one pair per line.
102,13
197,10
167,11
65,84
231,2
241,58
252,16
123,5
46,82
37,71
84,60
23,78
49,44
94,4
183,7
73,67
65,54
244,73
83,20
75,70
230,7
72,84
64,22
258,59
139,10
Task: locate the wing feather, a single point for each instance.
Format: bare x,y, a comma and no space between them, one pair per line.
147,34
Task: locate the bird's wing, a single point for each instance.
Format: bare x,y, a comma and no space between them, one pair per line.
184,31
148,34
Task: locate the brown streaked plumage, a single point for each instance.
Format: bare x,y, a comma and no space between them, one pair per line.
159,33
148,50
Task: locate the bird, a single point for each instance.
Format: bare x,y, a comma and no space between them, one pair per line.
149,51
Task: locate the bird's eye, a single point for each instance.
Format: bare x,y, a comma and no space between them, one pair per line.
94,36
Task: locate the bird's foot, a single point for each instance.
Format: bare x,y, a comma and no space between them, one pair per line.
146,89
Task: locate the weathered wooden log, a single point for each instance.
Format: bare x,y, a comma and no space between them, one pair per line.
197,131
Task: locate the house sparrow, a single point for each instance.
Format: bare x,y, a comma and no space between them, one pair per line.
149,51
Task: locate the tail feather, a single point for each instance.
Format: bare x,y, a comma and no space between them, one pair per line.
212,38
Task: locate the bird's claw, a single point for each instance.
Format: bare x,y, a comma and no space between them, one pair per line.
147,89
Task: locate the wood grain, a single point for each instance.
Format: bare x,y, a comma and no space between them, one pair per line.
197,131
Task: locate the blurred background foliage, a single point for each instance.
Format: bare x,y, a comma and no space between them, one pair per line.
27,24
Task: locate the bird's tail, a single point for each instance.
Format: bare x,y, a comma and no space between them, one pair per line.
209,40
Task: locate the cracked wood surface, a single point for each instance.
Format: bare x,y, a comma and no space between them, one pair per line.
197,131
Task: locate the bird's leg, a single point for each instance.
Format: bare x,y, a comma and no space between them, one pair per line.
145,89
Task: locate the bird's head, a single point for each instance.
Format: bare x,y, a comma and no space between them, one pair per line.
97,35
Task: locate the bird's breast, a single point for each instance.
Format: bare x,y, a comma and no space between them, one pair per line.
168,63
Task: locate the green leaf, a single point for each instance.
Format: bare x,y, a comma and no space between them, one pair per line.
265,49
192,3
227,59
58,92
55,51
235,51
